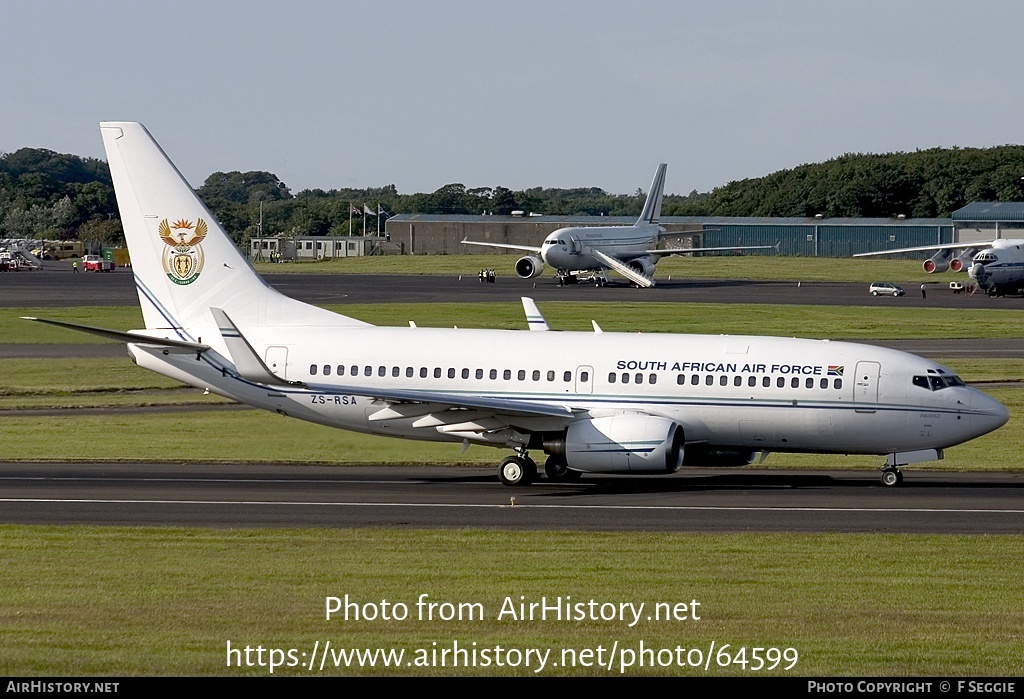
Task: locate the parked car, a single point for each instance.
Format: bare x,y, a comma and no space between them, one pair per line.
886,289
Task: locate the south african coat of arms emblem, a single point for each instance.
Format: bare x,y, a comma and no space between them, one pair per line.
183,256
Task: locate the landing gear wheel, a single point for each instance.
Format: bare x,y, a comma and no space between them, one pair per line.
556,469
891,477
517,471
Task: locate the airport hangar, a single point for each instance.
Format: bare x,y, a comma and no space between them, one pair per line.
438,234
809,237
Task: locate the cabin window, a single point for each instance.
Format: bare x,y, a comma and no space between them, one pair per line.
341,370
751,381
396,371
680,379
766,381
653,378
794,382
694,379
423,372
723,380
837,384
737,381
451,373
611,377
584,376
312,369
327,369
809,383
536,375
479,373
780,382
465,373
709,380
437,372
521,375
368,371
382,371
551,375
493,374
639,378
408,372
625,378
823,383
507,374
567,377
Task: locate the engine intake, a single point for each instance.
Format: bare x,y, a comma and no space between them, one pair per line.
939,262
642,265
529,266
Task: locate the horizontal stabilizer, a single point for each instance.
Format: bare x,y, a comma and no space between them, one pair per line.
247,363
133,337
623,269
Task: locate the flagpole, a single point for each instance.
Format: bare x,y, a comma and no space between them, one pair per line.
350,218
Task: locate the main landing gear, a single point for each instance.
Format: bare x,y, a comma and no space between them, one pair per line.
891,476
521,470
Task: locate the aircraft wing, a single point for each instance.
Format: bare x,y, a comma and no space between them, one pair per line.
524,248
979,245
684,251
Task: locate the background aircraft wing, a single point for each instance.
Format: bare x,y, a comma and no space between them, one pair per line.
684,251
524,248
978,245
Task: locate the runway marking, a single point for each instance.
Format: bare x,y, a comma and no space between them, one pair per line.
693,508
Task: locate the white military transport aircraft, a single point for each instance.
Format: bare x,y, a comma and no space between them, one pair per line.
592,402
994,266
589,251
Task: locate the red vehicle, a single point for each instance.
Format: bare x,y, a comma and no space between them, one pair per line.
95,263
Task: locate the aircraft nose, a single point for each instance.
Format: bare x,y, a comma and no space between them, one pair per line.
990,415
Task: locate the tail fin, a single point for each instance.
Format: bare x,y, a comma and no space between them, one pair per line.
652,207
184,262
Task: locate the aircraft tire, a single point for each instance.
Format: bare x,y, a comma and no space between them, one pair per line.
891,477
517,471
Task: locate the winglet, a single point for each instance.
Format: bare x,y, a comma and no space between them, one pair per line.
534,318
243,356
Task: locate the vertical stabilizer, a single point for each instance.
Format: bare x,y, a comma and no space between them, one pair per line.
183,260
652,207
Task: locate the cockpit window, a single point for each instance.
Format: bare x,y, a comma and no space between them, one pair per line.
937,383
986,257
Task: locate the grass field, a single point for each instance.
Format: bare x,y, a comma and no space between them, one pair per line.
80,601
769,267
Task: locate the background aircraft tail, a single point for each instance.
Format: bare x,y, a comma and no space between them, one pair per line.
652,207
183,261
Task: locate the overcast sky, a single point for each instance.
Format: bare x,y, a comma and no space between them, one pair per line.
519,94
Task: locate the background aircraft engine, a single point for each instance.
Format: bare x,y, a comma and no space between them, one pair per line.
625,443
962,261
939,262
529,266
643,265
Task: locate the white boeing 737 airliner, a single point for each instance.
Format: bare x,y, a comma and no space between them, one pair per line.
592,402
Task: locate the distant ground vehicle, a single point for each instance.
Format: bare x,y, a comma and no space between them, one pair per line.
59,251
886,289
96,263
956,287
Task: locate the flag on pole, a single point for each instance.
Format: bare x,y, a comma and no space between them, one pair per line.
380,210
368,211
354,210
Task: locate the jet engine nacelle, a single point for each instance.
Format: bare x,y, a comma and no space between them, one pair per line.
939,262
625,443
529,266
643,265
962,261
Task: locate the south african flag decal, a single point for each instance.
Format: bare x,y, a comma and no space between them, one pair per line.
835,369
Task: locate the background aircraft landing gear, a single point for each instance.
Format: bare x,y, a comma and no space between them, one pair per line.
558,471
891,477
517,470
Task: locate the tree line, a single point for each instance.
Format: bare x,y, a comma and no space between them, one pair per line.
44,194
